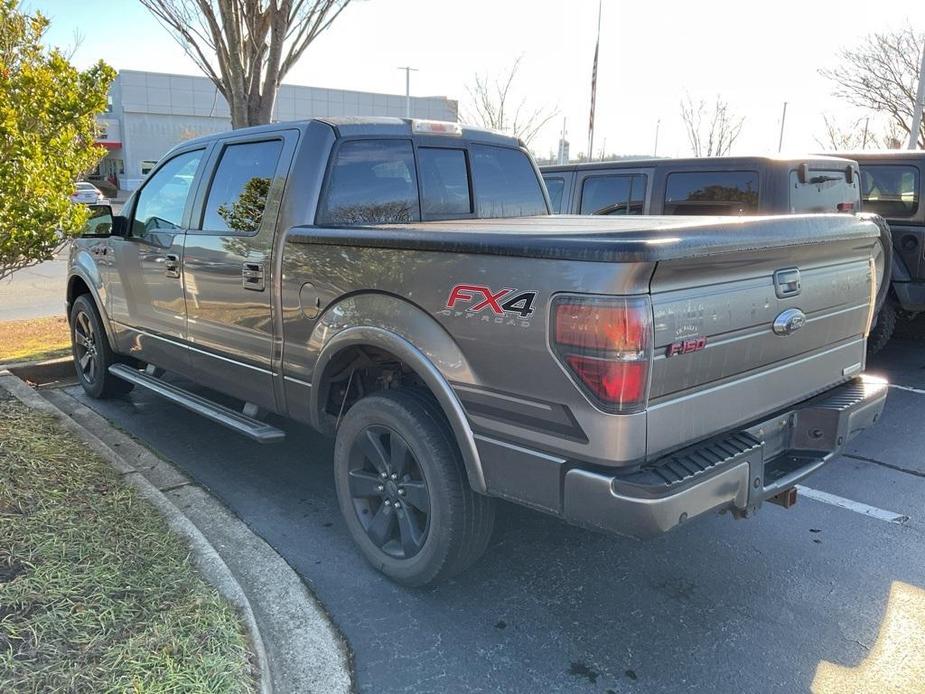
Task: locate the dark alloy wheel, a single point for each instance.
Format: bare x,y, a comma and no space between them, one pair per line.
86,351
403,490
389,492
92,354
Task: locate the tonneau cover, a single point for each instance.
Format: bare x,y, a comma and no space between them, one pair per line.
598,239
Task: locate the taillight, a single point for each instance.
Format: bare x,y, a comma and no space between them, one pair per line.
845,207
606,344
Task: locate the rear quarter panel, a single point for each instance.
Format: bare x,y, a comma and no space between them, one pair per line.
500,366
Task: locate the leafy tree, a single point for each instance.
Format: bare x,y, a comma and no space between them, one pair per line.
47,128
245,213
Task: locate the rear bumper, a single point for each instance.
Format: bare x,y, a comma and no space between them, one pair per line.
736,471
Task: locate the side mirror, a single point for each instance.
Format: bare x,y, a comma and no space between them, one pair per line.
103,222
803,173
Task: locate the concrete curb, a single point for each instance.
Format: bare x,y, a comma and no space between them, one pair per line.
297,647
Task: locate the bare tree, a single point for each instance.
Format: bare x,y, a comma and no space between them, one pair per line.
246,47
858,135
711,130
492,105
881,75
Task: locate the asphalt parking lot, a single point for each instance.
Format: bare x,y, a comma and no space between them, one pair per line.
816,597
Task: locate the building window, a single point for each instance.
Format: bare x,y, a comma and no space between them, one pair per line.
146,166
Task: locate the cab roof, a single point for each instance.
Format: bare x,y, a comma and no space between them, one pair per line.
702,162
378,126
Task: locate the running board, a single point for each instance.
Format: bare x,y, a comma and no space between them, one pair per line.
260,432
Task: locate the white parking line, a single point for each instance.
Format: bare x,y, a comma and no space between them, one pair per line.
909,389
849,505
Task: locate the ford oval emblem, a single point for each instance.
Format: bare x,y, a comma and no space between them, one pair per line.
789,321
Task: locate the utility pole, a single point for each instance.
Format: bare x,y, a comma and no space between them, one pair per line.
864,139
917,111
408,70
658,124
783,119
597,47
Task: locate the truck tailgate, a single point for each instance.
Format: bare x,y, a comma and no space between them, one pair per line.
718,360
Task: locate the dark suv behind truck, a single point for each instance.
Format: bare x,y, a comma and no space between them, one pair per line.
753,185
891,185
402,286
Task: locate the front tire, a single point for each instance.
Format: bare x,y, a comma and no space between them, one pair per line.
403,491
92,353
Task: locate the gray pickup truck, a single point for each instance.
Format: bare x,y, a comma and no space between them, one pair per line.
402,286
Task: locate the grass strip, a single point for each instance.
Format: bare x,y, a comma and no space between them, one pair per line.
96,593
34,339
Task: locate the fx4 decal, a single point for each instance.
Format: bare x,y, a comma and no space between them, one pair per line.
505,305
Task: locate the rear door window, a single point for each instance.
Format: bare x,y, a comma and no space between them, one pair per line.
620,195
824,191
444,182
372,182
891,191
505,183
238,193
712,192
555,185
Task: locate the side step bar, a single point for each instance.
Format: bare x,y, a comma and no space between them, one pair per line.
260,432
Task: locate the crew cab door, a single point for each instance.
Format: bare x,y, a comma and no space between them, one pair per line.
227,265
145,286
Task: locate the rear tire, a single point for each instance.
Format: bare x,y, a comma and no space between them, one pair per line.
881,333
92,353
421,522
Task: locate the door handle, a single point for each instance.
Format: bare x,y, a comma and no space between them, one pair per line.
252,276
172,265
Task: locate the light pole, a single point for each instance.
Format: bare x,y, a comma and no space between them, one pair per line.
783,119
658,124
408,70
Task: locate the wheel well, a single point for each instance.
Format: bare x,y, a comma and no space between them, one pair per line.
357,371
75,287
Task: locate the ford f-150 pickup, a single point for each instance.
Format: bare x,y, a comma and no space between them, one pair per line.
402,286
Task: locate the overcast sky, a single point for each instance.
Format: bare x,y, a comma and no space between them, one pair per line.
756,55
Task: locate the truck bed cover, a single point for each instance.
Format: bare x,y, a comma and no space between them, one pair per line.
597,239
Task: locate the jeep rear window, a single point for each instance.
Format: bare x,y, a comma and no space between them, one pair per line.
712,192
824,191
505,182
555,186
372,182
891,191
617,195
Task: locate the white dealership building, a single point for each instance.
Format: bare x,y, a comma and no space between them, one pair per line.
150,112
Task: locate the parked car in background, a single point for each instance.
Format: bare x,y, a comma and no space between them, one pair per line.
402,286
88,194
891,186
720,186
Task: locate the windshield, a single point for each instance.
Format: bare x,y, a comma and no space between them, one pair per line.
824,191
